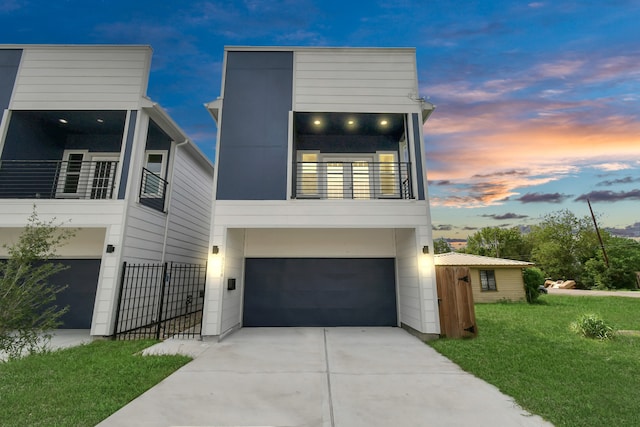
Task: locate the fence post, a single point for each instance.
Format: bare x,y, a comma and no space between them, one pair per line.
122,277
165,279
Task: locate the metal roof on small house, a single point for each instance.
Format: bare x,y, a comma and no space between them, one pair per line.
455,258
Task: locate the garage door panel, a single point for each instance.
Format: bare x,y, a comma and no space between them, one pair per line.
81,276
320,292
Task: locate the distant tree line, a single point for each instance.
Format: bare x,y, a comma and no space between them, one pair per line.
564,247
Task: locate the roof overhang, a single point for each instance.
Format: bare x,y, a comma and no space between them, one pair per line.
171,128
214,108
427,110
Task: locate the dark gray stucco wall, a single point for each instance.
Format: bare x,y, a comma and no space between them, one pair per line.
418,144
9,63
126,159
252,157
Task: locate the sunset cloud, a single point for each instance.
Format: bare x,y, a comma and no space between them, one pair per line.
502,217
543,198
625,180
617,166
609,196
631,231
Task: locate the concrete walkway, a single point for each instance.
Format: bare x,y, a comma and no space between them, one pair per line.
324,377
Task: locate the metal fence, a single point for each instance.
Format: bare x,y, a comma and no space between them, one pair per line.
160,301
352,180
57,179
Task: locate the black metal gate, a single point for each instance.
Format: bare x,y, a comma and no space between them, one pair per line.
160,301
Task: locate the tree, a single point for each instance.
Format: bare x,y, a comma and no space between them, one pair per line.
533,278
441,246
624,262
28,312
499,243
562,243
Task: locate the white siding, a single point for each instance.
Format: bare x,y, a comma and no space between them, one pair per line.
73,77
144,235
352,80
234,268
189,210
408,281
320,214
324,243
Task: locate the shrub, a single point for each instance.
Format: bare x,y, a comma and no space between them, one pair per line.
592,326
533,279
27,299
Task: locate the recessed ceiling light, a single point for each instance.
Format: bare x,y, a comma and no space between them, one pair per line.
100,121
350,122
64,121
316,122
384,122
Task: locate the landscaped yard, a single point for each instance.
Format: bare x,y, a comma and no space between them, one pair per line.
530,353
79,386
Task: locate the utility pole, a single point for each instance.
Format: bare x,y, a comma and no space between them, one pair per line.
604,252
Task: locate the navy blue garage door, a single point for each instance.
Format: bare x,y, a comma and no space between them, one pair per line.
320,292
82,278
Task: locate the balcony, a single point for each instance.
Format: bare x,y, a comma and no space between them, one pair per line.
352,180
57,179
152,190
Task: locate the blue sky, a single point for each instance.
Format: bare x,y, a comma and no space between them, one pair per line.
538,102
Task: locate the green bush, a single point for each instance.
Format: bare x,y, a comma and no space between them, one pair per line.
533,279
592,326
28,312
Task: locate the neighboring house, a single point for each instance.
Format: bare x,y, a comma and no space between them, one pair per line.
80,140
321,215
492,279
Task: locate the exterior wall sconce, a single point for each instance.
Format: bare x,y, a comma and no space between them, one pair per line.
425,249
231,284
215,250
110,249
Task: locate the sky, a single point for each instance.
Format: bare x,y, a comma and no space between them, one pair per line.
537,102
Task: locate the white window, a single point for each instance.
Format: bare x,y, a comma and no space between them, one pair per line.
153,177
86,175
308,174
388,175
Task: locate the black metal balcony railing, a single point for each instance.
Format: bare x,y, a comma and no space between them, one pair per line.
152,190
352,180
56,179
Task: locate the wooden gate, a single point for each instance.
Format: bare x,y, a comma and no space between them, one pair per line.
455,302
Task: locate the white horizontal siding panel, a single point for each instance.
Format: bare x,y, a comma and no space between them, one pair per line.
328,76
189,210
300,214
351,55
373,80
46,74
79,96
83,72
362,83
48,84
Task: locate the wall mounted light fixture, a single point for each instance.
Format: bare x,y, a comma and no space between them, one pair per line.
110,249
425,249
215,249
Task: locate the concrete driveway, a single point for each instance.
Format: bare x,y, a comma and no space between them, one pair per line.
347,377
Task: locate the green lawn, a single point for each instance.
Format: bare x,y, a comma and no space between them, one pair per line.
79,386
529,353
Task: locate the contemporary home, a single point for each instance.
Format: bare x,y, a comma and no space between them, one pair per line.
321,215
81,142
492,279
